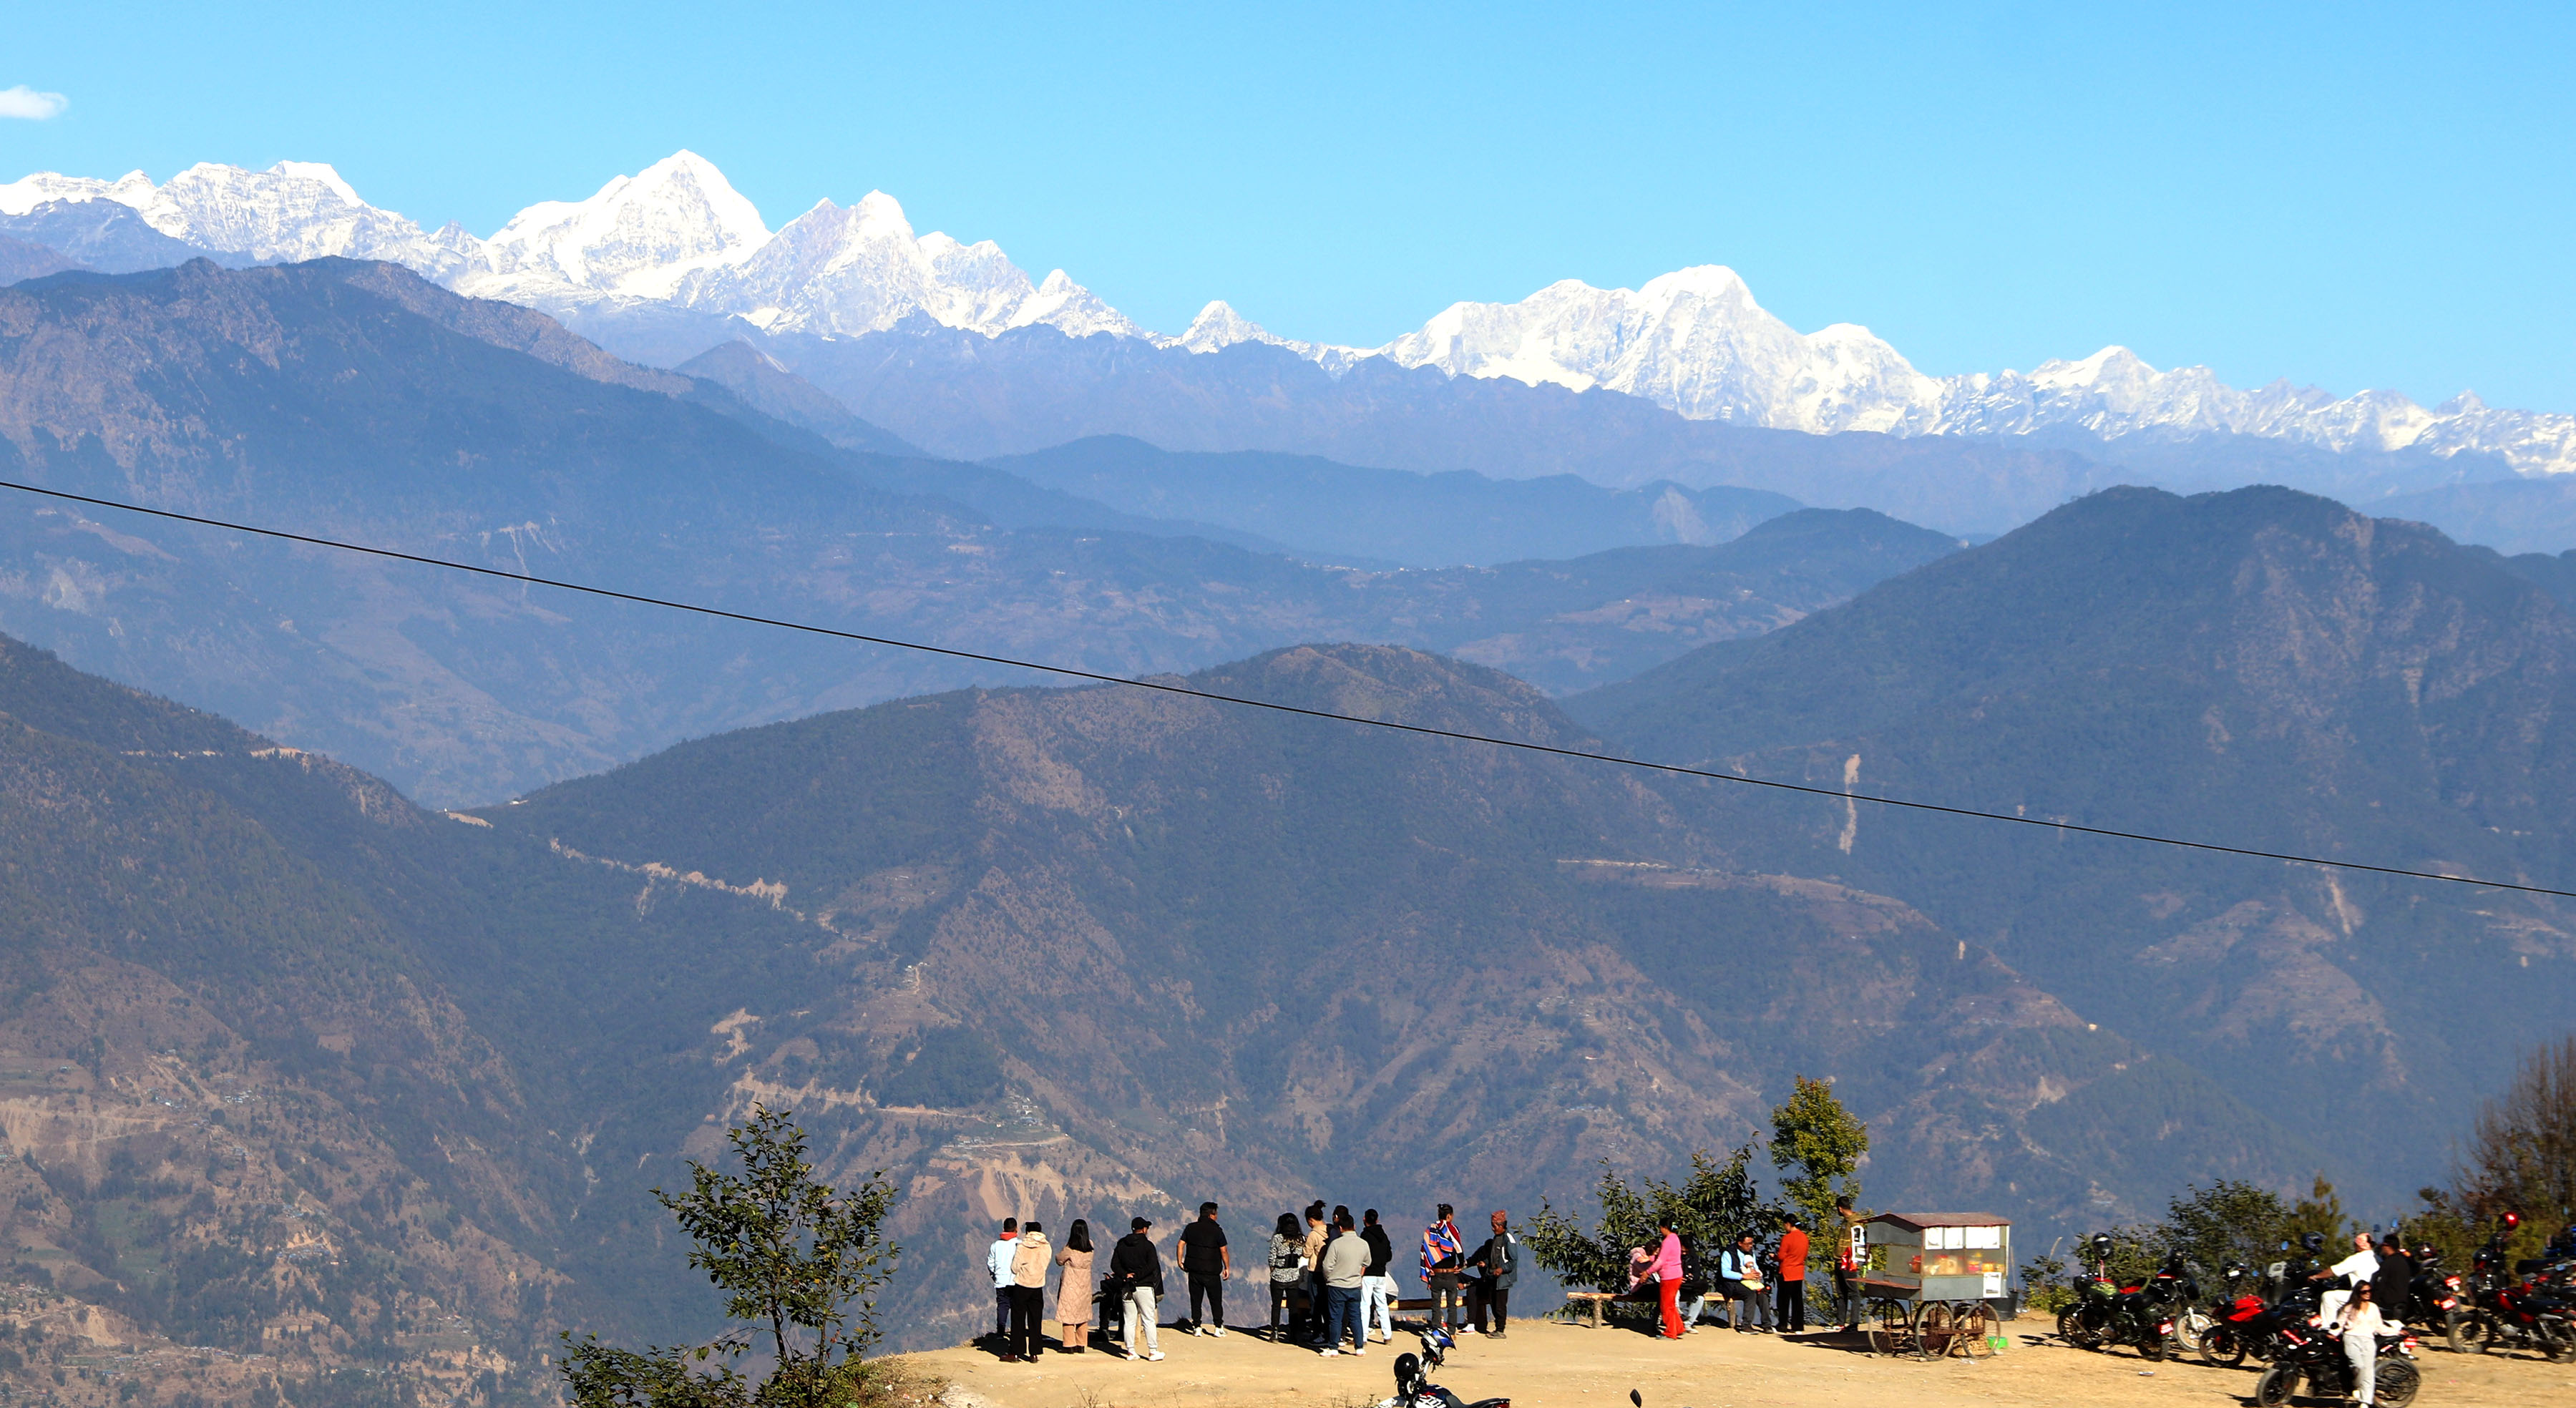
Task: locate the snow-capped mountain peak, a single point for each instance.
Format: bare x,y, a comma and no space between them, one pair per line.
26,193
638,236
1693,340
1218,327
847,272
677,236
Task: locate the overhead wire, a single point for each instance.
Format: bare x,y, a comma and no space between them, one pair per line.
1165,687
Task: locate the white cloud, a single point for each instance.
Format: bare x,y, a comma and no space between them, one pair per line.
26,102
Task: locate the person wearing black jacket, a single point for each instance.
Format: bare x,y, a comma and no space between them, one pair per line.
1377,1288
1136,1274
1206,1261
2392,1286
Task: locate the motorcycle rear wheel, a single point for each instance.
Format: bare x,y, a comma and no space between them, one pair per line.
2151,1344
2468,1333
2397,1382
2273,1390
2222,1347
2556,1341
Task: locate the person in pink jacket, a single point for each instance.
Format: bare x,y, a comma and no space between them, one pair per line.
1665,1269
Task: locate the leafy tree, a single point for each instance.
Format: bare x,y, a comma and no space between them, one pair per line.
1815,1135
2226,1222
2044,1285
2320,1212
1707,1211
794,1258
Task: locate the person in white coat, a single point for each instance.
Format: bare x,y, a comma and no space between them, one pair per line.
2361,1326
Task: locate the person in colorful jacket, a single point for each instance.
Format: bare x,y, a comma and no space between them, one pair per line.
1444,1256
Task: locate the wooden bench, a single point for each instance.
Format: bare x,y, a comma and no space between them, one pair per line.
1591,1301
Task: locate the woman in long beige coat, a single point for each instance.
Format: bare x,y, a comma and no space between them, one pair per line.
1073,1293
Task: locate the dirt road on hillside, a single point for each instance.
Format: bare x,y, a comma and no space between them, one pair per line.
1549,1365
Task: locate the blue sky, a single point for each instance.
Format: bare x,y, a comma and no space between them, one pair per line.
2348,195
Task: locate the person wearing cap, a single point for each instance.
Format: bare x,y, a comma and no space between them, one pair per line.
1498,1266
1139,1272
997,1262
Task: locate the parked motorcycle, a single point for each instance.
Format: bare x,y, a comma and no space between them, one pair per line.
2496,1311
2106,1313
1413,1386
2315,1358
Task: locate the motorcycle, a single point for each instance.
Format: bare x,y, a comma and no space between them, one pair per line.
2087,1321
2175,1290
2106,1313
2497,1312
2316,1358
2250,1327
1413,1386
2434,1294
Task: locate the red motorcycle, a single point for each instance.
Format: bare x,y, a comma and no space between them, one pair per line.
2495,1311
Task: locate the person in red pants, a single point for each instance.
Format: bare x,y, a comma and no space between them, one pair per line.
1665,1269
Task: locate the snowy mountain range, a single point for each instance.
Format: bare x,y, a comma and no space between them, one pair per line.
677,237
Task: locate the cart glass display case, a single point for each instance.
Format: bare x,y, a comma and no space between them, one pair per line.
1940,1256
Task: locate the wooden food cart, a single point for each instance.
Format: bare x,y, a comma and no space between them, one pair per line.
1936,1283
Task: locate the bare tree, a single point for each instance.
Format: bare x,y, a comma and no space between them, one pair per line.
2522,1150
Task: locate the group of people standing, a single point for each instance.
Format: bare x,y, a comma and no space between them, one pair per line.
1753,1280
1329,1277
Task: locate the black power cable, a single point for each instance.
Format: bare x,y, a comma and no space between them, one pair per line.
1184,690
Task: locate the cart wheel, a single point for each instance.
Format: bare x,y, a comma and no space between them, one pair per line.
1893,1331
1940,1330
1978,1326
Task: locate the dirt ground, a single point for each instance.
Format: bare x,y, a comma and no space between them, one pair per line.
1543,1364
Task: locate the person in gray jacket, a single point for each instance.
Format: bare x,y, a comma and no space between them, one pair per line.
1498,1265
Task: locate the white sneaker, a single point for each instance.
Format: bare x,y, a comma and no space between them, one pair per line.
1362,1350
1219,1332
1330,1353
1157,1354
1469,1330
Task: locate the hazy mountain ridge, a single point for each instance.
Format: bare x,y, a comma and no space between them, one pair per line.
2258,668
677,238
359,401
1419,520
